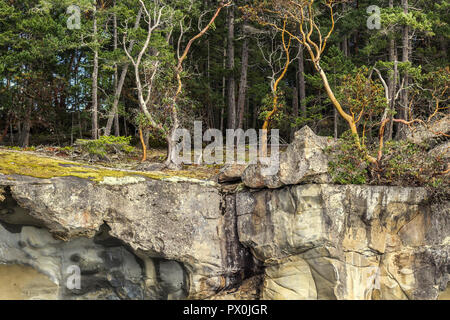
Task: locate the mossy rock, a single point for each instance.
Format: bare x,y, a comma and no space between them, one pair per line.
30,164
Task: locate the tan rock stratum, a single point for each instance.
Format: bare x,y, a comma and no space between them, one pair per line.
347,242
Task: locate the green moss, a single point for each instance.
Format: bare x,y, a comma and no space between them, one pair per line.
106,145
29,164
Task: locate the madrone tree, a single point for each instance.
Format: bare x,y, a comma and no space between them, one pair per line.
157,16
299,20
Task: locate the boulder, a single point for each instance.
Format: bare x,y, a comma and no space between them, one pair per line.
424,133
442,151
304,161
231,173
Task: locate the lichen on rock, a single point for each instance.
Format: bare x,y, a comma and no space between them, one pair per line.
38,166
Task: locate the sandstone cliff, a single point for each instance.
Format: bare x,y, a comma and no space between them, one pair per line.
146,236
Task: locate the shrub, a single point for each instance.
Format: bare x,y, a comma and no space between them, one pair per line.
406,163
403,164
105,147
347,164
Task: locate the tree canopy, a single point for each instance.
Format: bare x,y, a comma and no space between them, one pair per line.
141,68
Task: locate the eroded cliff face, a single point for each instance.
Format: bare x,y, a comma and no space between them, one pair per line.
347,242
135,237
174,239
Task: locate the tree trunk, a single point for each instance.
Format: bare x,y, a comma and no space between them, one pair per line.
336,123
143,144
171,147
243,84
116,74
113,115
405,58
336,103
231,95
224,89
301,81
125,126
392,85
210,110
393,104
11,130
345,46
345,38
71,128
294,110
5,130
254,115
349,119
356,35
172,134
116,125
95,82
24,137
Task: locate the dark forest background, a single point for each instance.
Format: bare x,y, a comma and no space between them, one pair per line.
59,84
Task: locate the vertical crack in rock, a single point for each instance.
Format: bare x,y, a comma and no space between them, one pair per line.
239,262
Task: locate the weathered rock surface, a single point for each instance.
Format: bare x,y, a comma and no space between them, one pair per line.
442,151
347,242
108,272
248,290
20,282
423,133
138,238
304,161
177,221
231,173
